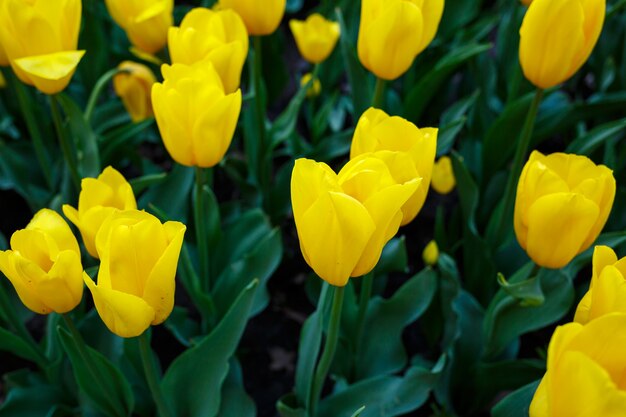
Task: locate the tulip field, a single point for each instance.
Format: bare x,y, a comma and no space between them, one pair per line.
320,208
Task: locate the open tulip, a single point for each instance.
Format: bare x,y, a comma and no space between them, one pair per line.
40,39
196,117
219,37
562,204
377,131
44,265
393,32
260,17
134,85
557,37
99,198
136,280
585,372
316,37
443,180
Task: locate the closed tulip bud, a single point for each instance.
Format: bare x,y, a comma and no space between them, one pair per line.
260,17
557,37
99,198
377,131
393,32
219,37
134,85
44,266
562,204
430,255
40,39
136,279
443,176
585,371
197,119
345,220
315,88
316,37
145,22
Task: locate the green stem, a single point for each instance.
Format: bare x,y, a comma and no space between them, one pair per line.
201,235
64,141
263,174
379,90
366,294
152,376
330,347
97,90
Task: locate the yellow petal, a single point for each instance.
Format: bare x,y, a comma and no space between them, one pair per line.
62,288
51,222
443,179
51,73
608,294
603,256
23,285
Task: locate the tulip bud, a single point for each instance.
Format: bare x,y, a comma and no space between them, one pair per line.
44,266
443,176
393,32
430,255
315,88
133,85
260,17
585,371
219,37
197,119
145,22
377,131
316,37
40,39
136,279
557,37
99,199
562,204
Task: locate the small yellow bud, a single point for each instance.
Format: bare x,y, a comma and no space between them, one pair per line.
430,255
315,88
443,176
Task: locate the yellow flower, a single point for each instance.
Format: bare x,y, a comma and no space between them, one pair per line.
315,88
430,255
145,22
316,37
133,86
607,291
562,204
345,220
377,131
585,372
99,198
40,39
43,264
443,176
219,37
197,119
260,17
557,37
136,280
394,32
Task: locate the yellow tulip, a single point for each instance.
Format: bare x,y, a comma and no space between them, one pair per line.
377,131
344,220
136,279
219,37
557,37
315,88
585,372
562,204
443,176
393,32
315,37
145,22
197,119
40,39
43,264
134,86
607,291
430,255
260,17
99,198
4,60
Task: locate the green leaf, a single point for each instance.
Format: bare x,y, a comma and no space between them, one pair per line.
517,403
528,292
284,125
235,401
172,195
115,140
16,172
31,401
141,183
358,412
587,143
612,240
14,344
452,121
287,407
394,257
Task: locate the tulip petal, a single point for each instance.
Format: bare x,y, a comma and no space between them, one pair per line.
23,285
539,405
50,73
62,288
603,256
56,227
608,294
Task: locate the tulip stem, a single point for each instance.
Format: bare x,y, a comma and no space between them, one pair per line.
97,90
332,337
152,376
379,91
366,294
64,141
201,232
263,174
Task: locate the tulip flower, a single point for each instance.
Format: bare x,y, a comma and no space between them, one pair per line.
260,17
585,372
562,204
607,291
394,32
376,131
344,220
40,39
219,37
196,117
44,265
315,37
145,22
557,37
99,198
315,88
430,255
136,279
133,85
443,180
